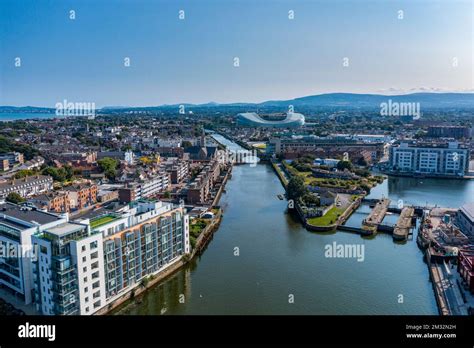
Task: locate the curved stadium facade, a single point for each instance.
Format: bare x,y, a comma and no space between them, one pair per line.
251,119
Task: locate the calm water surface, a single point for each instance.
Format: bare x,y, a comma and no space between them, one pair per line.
278,257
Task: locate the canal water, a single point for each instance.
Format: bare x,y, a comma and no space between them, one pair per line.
261,258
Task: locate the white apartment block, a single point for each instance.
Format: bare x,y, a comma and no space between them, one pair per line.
69,270
17,226
77,268
451,159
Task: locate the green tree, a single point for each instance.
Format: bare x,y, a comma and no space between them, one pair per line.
15,198
24,173
296,188
362,162
310,198
186,144
59,174
108,166
365,187
341,165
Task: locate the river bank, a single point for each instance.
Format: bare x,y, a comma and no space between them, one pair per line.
276,257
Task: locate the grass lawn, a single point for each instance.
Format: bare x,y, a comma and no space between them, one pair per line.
326,219
102,221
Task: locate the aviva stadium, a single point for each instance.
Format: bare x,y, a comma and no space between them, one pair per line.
251,119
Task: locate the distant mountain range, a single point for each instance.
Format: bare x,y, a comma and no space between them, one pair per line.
441,100
342,100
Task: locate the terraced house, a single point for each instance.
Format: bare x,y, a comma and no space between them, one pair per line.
28,186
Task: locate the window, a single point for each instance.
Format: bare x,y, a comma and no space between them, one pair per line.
87,309
86,289
85,279
84,259
86,299
96,285
84,269
97,304
94,255
83,248
43,249
93,245
95,275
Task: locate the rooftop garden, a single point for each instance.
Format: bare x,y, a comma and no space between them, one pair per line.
102,220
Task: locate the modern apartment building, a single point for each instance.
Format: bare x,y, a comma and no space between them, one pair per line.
17,226
145,188
28,186
295,146
12,158
199,192
87,264
139,240
434,158
69,270
457,132
178,170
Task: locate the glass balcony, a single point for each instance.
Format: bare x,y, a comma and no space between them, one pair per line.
63,280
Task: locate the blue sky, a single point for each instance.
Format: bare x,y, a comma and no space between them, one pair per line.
191,60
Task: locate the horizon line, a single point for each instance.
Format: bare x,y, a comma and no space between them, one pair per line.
256,103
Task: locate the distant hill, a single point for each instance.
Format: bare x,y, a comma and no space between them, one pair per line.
344,100
26,109
427,100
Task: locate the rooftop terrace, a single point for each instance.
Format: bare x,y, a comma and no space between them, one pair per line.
102,220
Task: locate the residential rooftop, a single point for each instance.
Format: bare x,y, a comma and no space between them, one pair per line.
65,229
28,215
25,180
102,220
